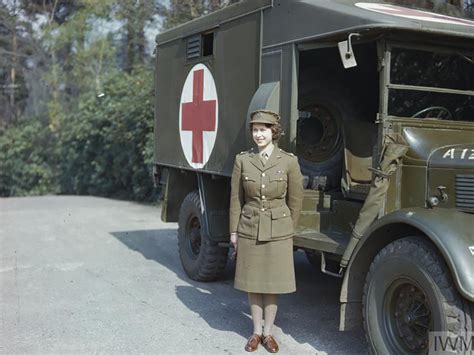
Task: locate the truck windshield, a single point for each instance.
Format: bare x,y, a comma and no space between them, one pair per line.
431,84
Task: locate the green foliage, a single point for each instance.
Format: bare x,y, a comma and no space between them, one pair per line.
80,57
27,160
95,133
180,11
106,147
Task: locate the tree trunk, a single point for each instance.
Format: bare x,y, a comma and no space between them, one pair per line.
130,45
13,68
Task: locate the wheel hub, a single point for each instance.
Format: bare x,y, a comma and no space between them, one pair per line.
411,316
194,239
319,135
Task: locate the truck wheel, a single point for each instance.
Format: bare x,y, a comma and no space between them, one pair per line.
320,142
408,293
202,259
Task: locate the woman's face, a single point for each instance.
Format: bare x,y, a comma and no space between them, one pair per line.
262,135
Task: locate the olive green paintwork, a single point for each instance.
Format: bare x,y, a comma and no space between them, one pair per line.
447,165
424,168
213,20
235,68
255,65
252,47
424,136
309,19
450,230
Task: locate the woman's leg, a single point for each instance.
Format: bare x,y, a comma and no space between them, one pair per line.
256,310
270,304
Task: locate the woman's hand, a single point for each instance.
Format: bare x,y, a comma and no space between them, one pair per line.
233,240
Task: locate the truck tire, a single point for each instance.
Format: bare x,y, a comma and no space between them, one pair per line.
408,293
320,142
202,259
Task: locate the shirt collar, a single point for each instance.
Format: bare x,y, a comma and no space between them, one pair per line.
268,150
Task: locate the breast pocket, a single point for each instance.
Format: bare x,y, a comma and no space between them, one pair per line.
279,182
249,183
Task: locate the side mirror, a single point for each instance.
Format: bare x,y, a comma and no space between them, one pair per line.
346,52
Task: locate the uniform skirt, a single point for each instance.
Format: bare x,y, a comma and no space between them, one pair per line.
265,267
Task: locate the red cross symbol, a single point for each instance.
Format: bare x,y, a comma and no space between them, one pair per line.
198,116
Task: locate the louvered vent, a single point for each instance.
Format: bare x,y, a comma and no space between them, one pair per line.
465,192
193,47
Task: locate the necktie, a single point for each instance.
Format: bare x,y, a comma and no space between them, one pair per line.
264,158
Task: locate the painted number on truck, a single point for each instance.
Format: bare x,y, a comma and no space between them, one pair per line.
198,116
454,153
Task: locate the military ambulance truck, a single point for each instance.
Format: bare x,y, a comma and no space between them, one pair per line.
377,103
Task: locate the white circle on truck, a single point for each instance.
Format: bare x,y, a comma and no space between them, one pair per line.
413,14
198,116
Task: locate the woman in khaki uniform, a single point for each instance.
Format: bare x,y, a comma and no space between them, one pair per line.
266,199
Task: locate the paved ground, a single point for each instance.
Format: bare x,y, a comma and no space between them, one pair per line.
92,275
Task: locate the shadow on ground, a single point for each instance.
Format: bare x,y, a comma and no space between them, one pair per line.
309,316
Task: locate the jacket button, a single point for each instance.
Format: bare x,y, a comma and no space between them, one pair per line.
281,179
263,197
262,209
263,186
263,174
284,214
246,178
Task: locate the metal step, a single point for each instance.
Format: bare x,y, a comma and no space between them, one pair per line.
330,242
316,201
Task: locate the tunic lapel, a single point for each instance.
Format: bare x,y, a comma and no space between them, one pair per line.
255,160
273,160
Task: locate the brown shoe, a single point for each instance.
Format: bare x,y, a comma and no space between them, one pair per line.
253,342
270,344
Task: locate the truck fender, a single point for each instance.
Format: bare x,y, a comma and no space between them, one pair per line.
214,192
451,231
177,184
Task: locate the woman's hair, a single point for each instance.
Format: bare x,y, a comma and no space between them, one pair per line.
277,132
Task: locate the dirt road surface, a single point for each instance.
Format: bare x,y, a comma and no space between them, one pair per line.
93,275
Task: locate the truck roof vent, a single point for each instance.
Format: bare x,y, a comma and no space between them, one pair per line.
193,47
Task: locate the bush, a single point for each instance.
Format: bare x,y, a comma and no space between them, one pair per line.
28,160
106,148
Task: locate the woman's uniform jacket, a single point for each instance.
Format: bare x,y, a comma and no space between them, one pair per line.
266,200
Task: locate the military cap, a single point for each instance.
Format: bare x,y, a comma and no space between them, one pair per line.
264,116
